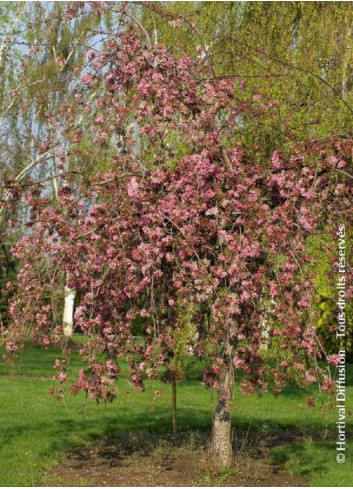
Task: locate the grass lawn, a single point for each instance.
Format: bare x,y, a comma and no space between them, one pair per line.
37,431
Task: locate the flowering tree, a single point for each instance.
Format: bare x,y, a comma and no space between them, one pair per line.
185,224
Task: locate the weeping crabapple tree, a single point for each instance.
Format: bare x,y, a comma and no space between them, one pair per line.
185,224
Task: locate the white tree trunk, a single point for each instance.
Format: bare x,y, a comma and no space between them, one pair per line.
68,316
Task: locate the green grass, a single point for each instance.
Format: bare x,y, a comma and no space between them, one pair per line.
37,431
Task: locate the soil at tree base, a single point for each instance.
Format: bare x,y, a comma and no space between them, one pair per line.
117,463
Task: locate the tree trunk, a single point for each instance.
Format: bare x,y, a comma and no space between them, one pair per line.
68,316
69,294
220,447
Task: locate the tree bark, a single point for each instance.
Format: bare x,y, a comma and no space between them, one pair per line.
68,316
220,447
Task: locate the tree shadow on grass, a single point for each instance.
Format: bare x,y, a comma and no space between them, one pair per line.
299,459
156,426
159,421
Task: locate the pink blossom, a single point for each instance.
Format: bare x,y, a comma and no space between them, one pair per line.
310,377
132,187
87,78
11,347
333,359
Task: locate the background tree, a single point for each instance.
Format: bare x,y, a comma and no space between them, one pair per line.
42,51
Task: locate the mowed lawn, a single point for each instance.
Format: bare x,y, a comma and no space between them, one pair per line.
36,431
